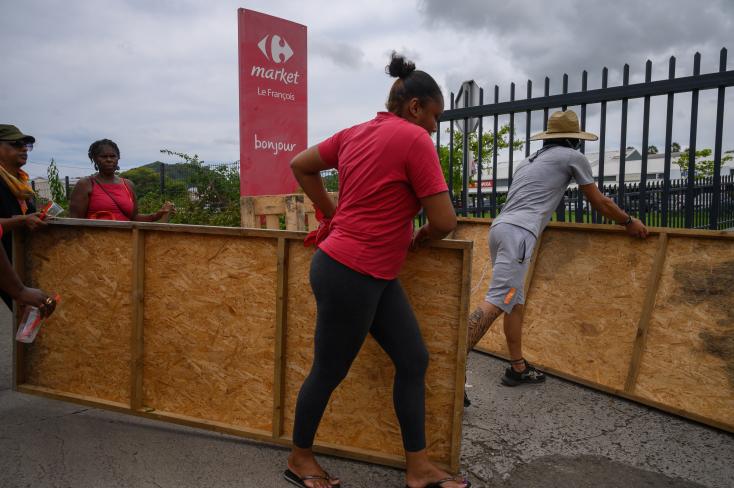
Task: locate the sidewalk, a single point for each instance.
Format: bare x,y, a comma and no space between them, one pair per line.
555,435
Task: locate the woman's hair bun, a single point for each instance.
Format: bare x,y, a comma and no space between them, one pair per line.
399,67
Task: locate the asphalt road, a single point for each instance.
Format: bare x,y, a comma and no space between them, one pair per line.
555,435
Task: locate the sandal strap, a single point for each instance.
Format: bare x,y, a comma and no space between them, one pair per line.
518,361
326,477
446,480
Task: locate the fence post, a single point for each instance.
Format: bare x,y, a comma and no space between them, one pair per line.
66,186
247,212
163,179
295,217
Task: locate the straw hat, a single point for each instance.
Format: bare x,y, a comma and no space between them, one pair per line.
564,125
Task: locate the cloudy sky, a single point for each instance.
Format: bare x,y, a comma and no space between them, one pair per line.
154,74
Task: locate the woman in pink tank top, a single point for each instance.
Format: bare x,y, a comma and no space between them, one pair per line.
106,196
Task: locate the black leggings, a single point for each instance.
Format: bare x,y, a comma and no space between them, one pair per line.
349,305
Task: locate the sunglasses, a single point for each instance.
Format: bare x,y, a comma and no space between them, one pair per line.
20,145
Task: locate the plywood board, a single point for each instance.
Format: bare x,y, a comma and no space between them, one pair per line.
360,414
585,301
210,327
597,295
210,312
481,276
689,359
84,348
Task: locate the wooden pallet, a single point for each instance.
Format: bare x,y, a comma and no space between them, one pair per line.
279,212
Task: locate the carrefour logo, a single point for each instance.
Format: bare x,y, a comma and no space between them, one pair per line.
277,51
280,51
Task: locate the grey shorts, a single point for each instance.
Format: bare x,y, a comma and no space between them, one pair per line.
511,248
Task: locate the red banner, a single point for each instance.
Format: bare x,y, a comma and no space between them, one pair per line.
273,104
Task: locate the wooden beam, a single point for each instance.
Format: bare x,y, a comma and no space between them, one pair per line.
221,427
281,317
18,348
269,204
247,212
138,320
531,269
272,222
647,308
618,229
295,218
455,450
729,427
220,231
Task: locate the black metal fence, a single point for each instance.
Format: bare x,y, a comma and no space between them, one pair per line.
693,202
189,179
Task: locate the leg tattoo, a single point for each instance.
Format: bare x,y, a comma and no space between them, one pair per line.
479,323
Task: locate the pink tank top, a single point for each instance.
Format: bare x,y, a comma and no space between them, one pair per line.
110,201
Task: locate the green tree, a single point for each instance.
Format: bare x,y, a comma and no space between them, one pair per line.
331,180
652,149
146,180
58,191
203,195
503,142
704,167
675,147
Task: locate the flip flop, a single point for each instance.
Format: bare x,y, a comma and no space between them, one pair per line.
439,483
293,478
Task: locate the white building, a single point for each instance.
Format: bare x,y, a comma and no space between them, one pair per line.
43,189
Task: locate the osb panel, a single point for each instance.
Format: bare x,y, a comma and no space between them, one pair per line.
84,347
210,327
585,301
494,339
360,413
691,336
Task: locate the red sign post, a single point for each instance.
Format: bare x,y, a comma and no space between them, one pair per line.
273,104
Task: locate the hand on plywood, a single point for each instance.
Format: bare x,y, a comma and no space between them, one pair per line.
636,229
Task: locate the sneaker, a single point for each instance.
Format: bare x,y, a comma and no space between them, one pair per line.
528,376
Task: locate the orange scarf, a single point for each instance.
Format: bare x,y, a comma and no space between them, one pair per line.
19,186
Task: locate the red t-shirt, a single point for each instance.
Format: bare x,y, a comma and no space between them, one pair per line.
385,166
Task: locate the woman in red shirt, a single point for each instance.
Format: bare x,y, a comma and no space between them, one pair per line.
388,169
106,196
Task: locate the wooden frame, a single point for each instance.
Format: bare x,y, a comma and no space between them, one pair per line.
147,251
647,379
296,208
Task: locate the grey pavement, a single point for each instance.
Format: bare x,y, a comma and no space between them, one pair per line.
554,435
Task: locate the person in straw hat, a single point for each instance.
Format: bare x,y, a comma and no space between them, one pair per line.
537,188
